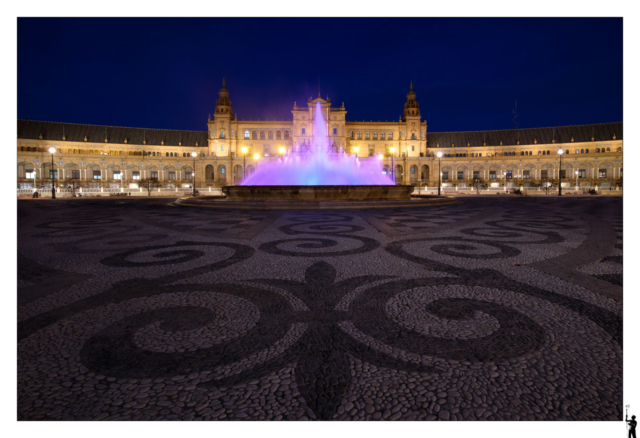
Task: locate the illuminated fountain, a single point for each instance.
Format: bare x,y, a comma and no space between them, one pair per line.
318,174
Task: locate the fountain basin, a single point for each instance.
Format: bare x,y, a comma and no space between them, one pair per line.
318,193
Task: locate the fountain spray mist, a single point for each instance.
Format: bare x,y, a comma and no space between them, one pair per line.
319,165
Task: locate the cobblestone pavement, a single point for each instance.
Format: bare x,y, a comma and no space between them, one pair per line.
490,309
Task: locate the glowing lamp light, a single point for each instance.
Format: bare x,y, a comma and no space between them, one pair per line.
392,150
561,151
576,172
439,154
52,150
281,150
194,154
256,156
356,149
244,150
380,157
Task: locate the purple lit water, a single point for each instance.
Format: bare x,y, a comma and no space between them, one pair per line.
319,166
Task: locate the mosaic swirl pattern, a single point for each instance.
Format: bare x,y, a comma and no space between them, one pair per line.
145,311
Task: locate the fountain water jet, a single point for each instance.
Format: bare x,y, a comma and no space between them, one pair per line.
318,166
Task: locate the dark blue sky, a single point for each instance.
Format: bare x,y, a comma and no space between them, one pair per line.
166,73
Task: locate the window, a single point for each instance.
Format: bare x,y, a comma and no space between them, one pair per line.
167,154
184,154
549,152
445,175
29,173
172,176
413,148
586,151
270,135
543,174
608,149
413,136
266,150
335,131
366,136
254,135
582,173
303,131
602,173
222,147
460,174
391,136
221,134
154,174
382,136
476,174
525,174
372,150
359,135
97,174
135,175
352,135
598,150
246,134
188,175
563,173
222,171
262,135
492,174
117,174
278,135
508,174
480,154
286,135
539,153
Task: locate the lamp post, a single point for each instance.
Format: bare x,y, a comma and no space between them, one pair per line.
53,185
244,162
439,173
194,155
576,180
393,168
560,152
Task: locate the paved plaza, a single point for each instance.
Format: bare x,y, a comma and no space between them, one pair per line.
495,308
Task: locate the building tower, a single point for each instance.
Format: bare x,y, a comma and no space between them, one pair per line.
220,133
411,131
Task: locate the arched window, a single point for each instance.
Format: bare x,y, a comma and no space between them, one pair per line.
597,149
270,135
278,135
586,151
262,136
367,135
608,149
548,152
391,136
286,135
464,155
352,135
582,151
246,134
413,136
359,135
254,135
382,136
302,131
375,135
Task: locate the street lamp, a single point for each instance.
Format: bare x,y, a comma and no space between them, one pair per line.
393,168
439,173
53,185
576,180
355,150
194,155
560,152
281,150
244,162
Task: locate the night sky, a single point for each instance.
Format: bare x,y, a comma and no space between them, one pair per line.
467,73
